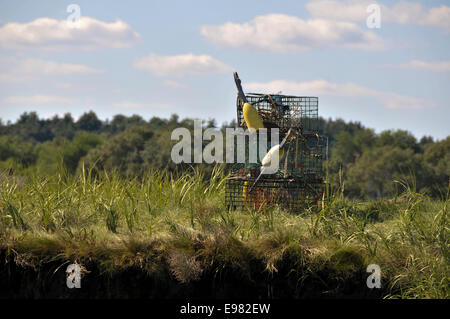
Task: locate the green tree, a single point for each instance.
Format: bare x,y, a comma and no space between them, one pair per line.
345,150
437,157
398,138
331,128
50,157
63,127
76,149
120,123
122,152
30,127
13,149
89,122
373,173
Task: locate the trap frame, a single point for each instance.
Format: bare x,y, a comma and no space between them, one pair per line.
299,180
284,111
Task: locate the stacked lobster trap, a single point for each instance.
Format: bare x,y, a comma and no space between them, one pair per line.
299,181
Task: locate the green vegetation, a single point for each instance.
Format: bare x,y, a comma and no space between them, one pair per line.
106,195
177,224
363,164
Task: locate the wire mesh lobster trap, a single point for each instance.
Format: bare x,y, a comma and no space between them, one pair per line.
299,180
284,111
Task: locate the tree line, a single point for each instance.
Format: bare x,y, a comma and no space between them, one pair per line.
361,163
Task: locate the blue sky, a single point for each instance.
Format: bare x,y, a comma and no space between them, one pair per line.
155,58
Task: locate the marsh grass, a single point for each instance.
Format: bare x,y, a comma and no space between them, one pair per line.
179,222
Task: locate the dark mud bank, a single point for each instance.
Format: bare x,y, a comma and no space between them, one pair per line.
48,280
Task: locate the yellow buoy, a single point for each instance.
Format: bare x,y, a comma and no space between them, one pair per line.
252,117
244,191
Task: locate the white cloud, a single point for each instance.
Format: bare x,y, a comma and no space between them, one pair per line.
349,90
439,17
403,12
50,115
15,78
6,60
42,67
138,105
180,65
51,34
333,9
63,85
282,33
26,70
436,66
128,105
174,84
36,99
